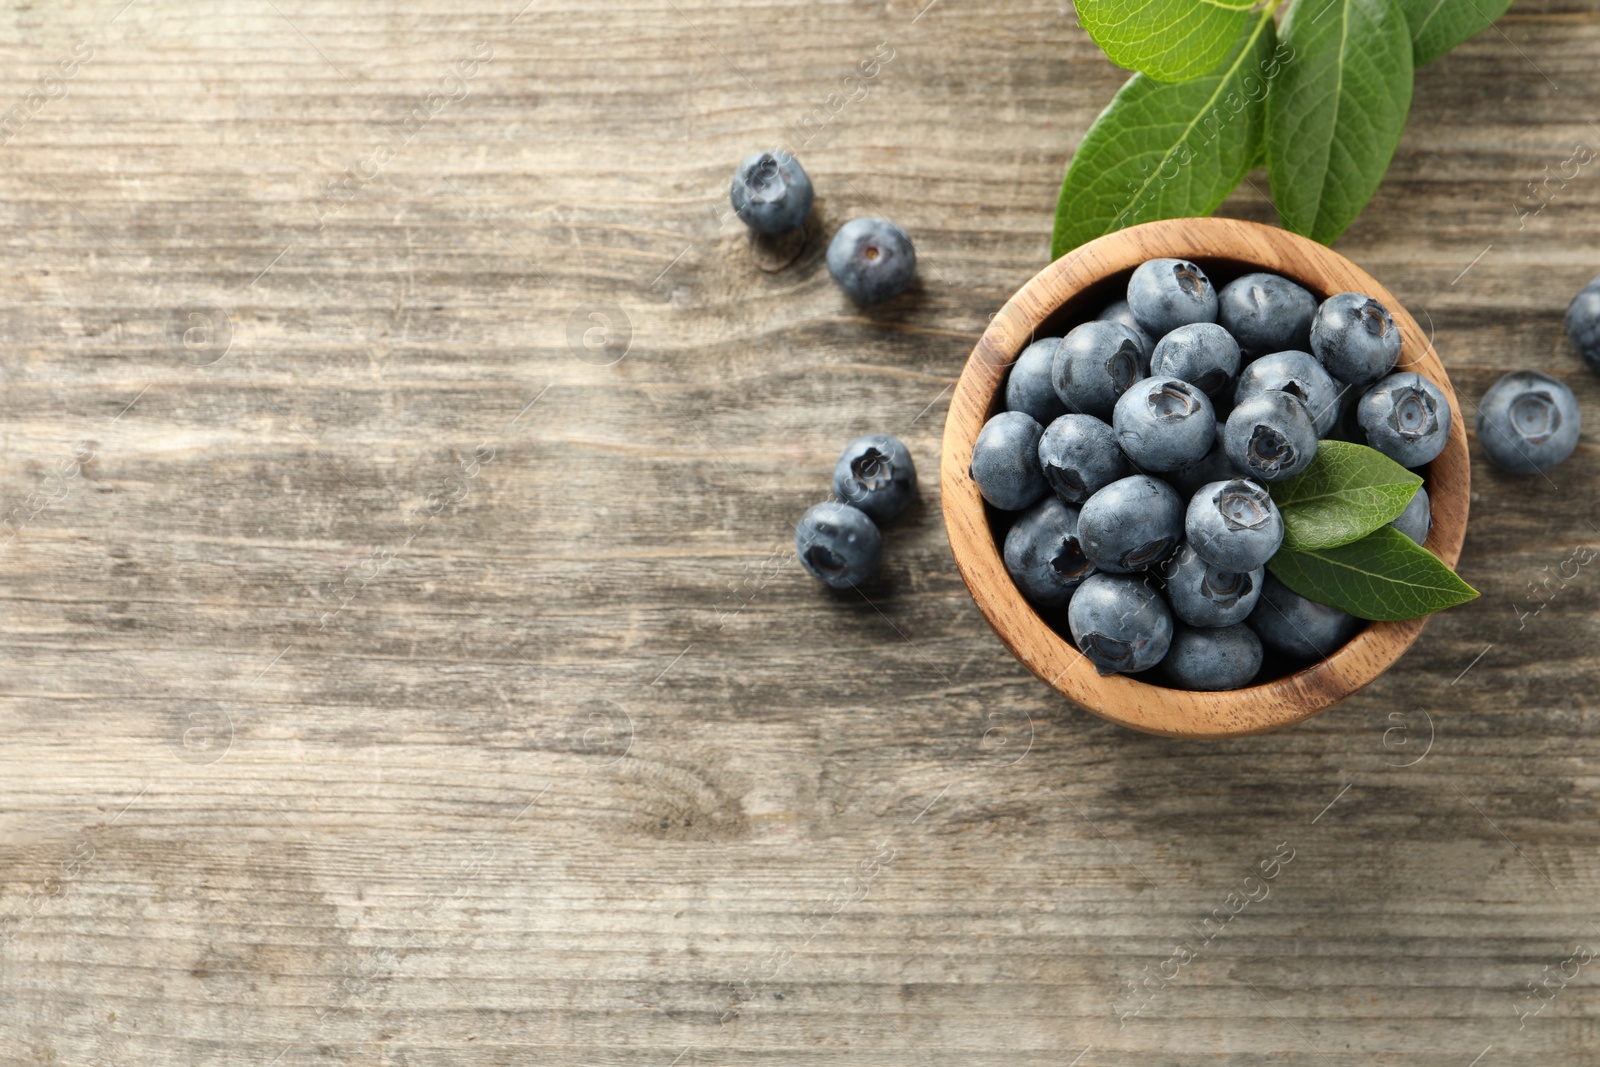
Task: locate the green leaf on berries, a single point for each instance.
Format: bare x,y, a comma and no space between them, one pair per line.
1348,491
1439,25
1169,40
1385,577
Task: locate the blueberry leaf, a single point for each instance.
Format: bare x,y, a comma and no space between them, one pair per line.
1335,116
1163,151
1348,491
1437,26
1385,576
1170,40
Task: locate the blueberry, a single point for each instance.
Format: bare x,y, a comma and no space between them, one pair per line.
1233,524
1528,422
1298,628
1042,554
1080,456
1203,594
1355,338
872,260
1121,312
1094,364
1131,524
1029,387
1583,323
1270,436
1167,293
1223,657
1164,424
771,193
1201,353
1302,377
875,474
1407,418
838,544
1266,313
1120,623
1005,461
1417,519
1215,467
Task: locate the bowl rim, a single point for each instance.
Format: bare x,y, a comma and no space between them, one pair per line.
1140,705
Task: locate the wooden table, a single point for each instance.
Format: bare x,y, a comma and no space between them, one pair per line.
405,660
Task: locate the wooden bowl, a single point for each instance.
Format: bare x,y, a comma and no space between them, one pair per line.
1074,289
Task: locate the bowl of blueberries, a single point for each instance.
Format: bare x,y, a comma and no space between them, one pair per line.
1110,457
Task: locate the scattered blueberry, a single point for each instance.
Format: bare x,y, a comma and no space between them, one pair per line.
872,260
1164,424
1080,456
1270,436
1201,353
1042,554
1234,524
1223,657
1355,338
1299,628
1121,312
1417,519
1528,422
875,474
1203,594
1005,461
771,193
838,544
1216,467
1120,623
1266,313
1583,323
1302,377
1167,293
1407,418
1131,524
1029,387
1094,364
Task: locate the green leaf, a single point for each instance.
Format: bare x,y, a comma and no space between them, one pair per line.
1335,116
1439,25
1385,576
1170,40
1347,492
1163,151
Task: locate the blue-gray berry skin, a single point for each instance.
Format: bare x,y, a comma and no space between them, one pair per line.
1043,556
1005,461
1164,424
1270,436
1094,364
838,544
1080,456
1167,293
1299,629
1583,324
1266,313
1212,659
1201,353
1132,524
1233,524
1355,338
1406,417
1302,377
1528,422
872,260
1120,623
875,474
771,193
1203,594
1215,467
1417,519
1029,387
1121,312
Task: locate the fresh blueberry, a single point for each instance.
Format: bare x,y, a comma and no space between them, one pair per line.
1029,387
1223,657
1302,377
771,193
838,544
1266,313
1583,323
1417,519
1233,524
1203,594
1080,456
1298,628
1131,524
1121,312
1355,338
875,474
1216,467
1528,422
1270,436
1042,554
1120,623
1005,461
1094,364
1164,424
872,260
1201,353
1407,418
1167,293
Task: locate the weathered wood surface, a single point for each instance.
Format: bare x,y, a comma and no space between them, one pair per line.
323,742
